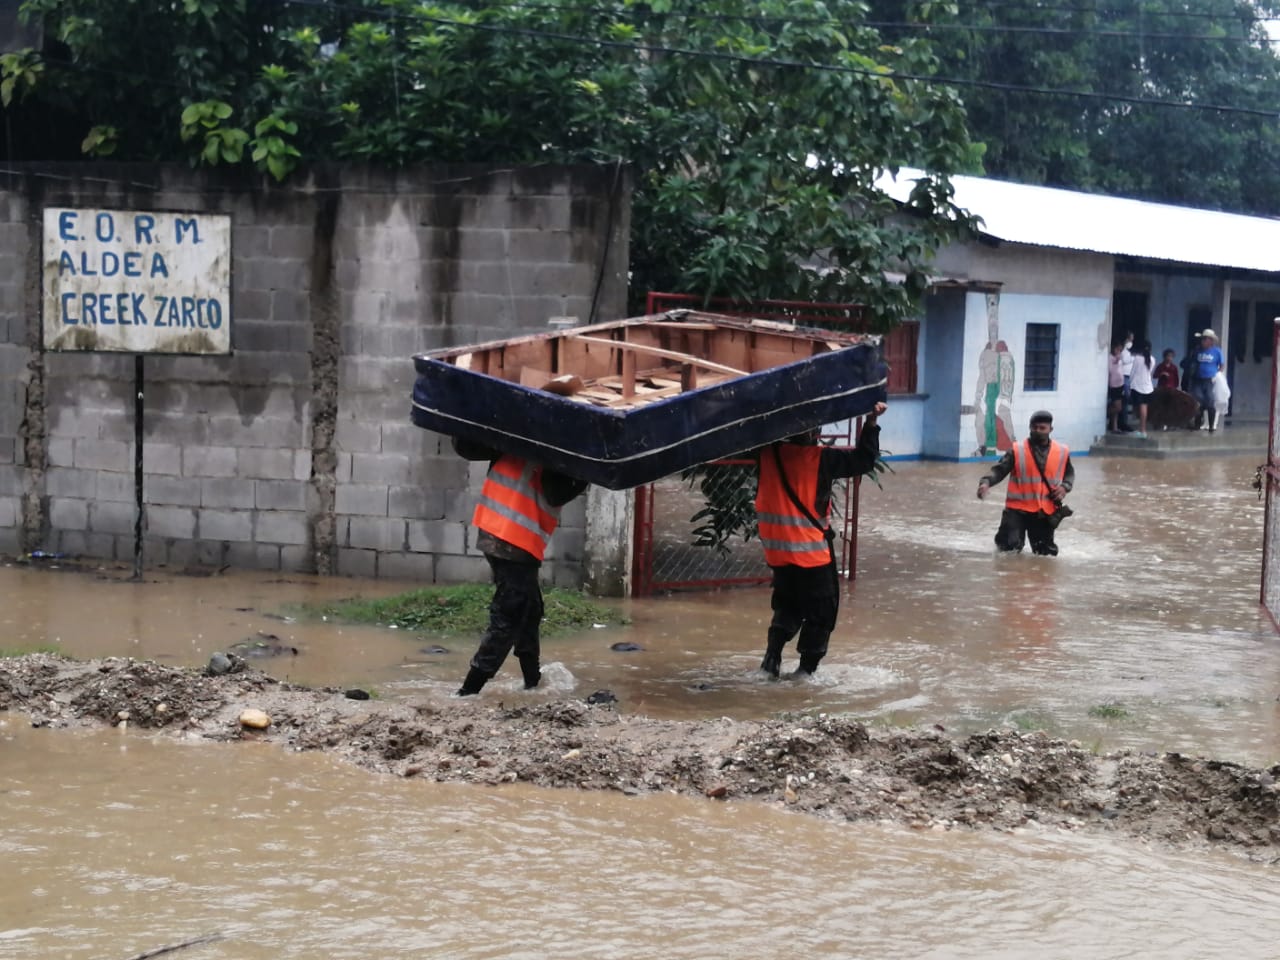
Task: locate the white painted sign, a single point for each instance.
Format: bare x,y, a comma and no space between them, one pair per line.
137,281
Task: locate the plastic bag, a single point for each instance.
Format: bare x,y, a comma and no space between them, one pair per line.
1221,392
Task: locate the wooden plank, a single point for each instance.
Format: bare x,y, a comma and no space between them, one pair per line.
685,358
629,374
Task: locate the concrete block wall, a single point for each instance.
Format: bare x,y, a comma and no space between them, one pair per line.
296,452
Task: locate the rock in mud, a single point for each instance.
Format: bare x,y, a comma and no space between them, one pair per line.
264,645
254,719
433,649
602,696
223,663
357,694
625,646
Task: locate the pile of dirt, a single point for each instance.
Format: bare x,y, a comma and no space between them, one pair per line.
824,765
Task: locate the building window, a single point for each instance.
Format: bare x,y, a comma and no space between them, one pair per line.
1040,371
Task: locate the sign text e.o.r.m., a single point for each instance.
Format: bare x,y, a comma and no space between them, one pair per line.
137,281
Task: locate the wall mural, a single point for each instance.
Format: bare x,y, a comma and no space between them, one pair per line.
993,399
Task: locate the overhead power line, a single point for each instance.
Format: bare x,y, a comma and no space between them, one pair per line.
787,64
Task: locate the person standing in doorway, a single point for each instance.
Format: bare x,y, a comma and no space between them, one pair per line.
1141,386
793,504
1126,368
1115,388
1208,361
1040,476
1167,374
518,511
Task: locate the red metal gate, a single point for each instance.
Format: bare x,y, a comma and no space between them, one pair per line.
666,556
1270,479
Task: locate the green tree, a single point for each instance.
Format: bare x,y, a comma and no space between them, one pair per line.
753,139
1122,58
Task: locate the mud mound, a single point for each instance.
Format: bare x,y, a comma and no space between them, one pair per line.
822,765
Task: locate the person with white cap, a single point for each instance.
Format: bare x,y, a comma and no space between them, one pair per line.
1208,362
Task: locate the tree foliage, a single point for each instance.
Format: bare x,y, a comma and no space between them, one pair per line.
1198,55
753,140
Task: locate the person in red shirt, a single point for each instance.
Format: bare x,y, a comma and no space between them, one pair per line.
1167,373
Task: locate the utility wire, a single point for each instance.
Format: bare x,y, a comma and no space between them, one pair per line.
794,64
483,6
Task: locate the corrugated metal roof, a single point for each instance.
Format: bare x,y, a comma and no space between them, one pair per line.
1047,217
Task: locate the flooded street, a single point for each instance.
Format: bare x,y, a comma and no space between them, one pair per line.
1144,633
115,843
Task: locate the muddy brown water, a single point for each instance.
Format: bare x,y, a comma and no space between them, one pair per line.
1144,633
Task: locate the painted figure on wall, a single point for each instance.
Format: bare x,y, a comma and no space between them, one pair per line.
993,399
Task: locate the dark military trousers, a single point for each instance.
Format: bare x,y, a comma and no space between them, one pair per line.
807,601
515,618
1019,526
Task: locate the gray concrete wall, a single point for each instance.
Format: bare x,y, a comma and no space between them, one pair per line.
296,452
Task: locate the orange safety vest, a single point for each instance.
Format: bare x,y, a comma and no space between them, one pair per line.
1027,490
789,537
512,507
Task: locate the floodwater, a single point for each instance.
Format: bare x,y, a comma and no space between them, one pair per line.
116,843
1145,632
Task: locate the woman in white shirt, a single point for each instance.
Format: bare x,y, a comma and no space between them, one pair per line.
1141,387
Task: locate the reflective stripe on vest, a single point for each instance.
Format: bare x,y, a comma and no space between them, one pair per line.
512,508
1027,490
788,536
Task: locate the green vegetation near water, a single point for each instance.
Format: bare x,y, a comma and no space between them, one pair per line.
461,609
10,652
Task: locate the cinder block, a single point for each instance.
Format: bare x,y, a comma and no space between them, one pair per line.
203,461
250,241
118,486
78,424
451,569
58,452
253,556
272,335
380,468
375,533
234,492
65,482
302,465
174,491
111,517
360,500
11,481
416,567
280,495
357,436
289,242
415,503
292,307
447,471
357,563
565,575
410,440
554,246
282,527
162,458
438,537
460,505
249,305
566,546
103,455
225,524
296,559
74,543
8,512
342,468
178,523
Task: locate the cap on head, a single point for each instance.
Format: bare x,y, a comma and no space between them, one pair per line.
1042,416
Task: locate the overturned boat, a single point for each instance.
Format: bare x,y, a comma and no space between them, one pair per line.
624,403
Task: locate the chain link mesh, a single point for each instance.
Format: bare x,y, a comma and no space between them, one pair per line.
704,534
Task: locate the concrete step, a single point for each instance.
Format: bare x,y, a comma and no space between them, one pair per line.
1166,444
